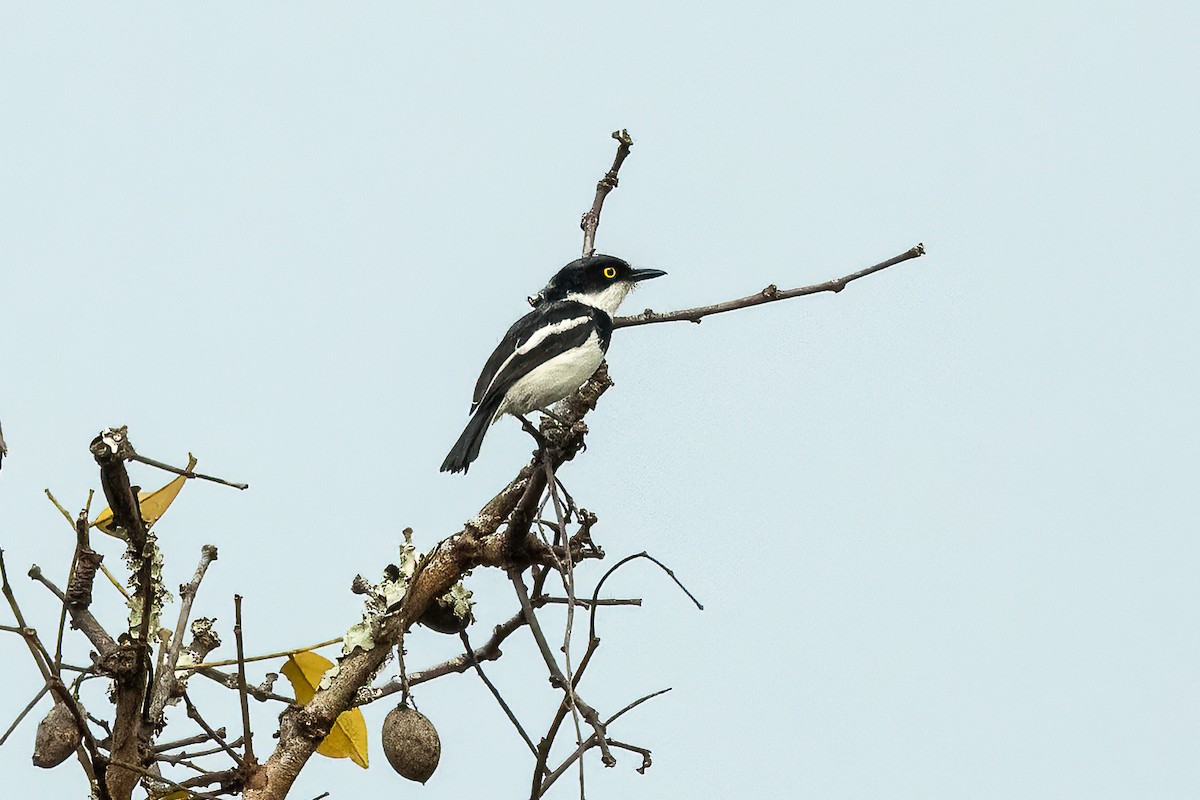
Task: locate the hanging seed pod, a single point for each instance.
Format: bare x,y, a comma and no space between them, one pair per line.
411,743
450,613
57,737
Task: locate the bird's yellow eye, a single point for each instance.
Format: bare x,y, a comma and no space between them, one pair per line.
610,272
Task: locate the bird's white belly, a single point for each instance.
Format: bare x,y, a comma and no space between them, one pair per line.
550,382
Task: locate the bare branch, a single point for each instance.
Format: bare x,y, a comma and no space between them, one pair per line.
199,738
187,473
593,741
183,756
470,653
623,562
488,651
593,644
210,778
231,682
194,714
25,711
568,580
479,543
602,601
46,666
633,748
266,656
559,679
83,587
40,655
131,730
237,635
591,219
185,786
767,295
81,618
187,595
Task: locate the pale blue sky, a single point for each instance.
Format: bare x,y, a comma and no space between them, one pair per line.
944,523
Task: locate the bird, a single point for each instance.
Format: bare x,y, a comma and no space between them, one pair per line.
551,351
3,447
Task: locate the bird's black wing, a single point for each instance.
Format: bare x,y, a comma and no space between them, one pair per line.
507,345
549,330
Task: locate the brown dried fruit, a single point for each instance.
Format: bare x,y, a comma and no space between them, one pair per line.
411,743
441,618
57,737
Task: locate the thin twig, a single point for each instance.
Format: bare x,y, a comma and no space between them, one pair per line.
767,295
180,761
488,651
87,510
209,779
588,712
231,682
194,714
113,580
199,738
41,692
39,652
470,653
591,219
405,686
158,777
603,601
45,665
568,579
81,618
81,544
66,514
102,724
179,758
621,563
187,473
593,643
633,748
187,596
593,741
265,656
237,635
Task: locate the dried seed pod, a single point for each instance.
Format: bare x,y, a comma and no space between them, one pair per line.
443,619
57,737
450,613
411,743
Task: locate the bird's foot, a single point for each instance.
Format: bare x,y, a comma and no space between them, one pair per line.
561,422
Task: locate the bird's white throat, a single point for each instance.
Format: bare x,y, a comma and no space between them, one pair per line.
607,300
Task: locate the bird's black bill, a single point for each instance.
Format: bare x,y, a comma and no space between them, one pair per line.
645,274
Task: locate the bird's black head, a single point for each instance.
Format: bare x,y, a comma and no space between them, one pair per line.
598,280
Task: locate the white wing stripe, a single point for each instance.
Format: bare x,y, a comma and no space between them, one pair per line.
533,341
551,330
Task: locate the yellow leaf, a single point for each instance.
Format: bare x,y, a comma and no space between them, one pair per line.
154,504
348,738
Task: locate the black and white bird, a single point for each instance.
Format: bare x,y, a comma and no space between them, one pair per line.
551,351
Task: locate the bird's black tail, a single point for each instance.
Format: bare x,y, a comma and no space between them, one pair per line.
466,449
